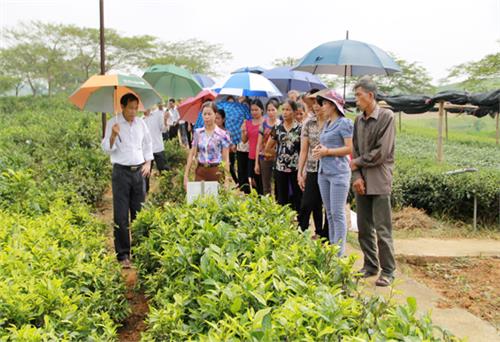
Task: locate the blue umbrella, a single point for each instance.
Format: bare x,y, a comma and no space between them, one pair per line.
204,80
254,69
348,58
246,84
286,79
236,113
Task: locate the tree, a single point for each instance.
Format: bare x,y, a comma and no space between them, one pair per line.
194,55
477,76
413,79
285,61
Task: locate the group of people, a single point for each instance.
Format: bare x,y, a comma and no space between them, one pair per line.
304,151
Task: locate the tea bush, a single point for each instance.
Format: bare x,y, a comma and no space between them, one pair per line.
239,269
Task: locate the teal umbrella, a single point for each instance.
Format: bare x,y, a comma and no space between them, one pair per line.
172,81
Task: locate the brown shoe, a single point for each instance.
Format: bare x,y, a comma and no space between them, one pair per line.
125,263
384,281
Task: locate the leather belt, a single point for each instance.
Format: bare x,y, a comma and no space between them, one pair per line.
132,168
208,165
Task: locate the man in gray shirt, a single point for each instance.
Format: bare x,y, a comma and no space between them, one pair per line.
372,165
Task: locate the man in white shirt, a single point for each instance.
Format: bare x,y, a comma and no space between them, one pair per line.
156,122
173,119
128,141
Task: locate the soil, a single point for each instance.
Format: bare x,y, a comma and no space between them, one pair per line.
134,324
467,282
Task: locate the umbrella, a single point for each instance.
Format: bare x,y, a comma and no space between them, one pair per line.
204,80
348,58
236,113
254,69
190,107
246,84
172,81
102,93
286,79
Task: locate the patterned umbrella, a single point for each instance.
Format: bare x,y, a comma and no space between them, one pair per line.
246,84
102,93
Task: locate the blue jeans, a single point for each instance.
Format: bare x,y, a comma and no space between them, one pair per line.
334,190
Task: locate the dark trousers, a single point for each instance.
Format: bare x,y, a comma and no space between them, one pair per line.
256,178
172,131
312,203
375,233
232,163
286,182
129,192
243,171
161,165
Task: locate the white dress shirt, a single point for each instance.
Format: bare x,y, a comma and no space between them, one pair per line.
133,146
174,116
156,126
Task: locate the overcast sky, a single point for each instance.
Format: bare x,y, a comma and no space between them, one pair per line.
438,34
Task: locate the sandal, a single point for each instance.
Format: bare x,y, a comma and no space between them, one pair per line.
384,281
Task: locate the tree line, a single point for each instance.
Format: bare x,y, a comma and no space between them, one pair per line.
52,58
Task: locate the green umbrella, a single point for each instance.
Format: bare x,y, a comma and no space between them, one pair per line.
172,81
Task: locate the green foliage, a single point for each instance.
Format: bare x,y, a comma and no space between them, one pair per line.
239,269
57,281
194,55
58,58
48,143
285,61
413,79
477,76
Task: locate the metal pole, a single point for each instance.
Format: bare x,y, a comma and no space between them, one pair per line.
345,67
103,57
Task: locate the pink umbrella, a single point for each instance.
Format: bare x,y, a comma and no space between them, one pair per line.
190,107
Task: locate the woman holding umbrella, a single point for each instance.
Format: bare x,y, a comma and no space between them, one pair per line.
210,147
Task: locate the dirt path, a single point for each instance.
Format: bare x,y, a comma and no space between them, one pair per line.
133,325
447,248
456,320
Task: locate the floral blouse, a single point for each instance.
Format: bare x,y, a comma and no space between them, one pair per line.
287,153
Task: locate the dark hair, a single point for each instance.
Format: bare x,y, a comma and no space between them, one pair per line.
292,104
129,97
210,104
230,97
274,101
247,101
367,84
171,100
222,113
257,103
312,91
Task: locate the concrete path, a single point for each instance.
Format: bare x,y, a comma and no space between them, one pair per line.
458,321
447,248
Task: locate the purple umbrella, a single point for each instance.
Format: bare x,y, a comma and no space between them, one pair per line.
286,79
204,80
